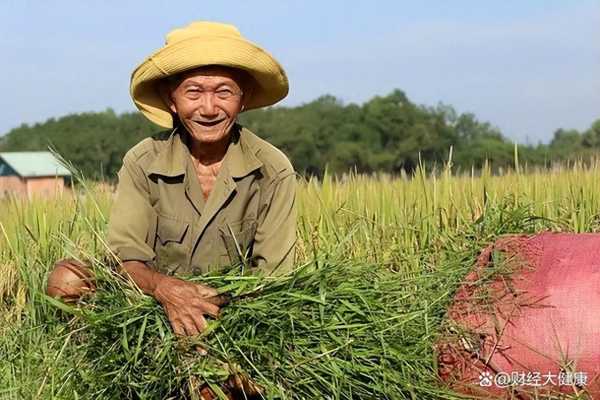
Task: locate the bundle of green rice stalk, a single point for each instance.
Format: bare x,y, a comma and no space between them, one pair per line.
326,331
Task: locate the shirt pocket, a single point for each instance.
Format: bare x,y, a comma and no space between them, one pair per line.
238,238
172,244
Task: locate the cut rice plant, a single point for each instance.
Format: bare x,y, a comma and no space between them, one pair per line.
326,331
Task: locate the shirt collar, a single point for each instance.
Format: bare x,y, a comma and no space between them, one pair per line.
172,160
240,158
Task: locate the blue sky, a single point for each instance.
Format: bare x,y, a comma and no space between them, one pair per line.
528,67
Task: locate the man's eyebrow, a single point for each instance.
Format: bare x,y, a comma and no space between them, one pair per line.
190,83
216,86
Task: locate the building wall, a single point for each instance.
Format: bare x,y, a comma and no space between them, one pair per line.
31,187
45,186
12,184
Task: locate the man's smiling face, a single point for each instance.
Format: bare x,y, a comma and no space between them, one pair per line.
207,101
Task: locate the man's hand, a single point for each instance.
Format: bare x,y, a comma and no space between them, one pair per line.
185,303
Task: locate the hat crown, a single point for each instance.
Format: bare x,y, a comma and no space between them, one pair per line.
201,28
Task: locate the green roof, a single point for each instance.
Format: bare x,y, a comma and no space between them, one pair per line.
34,163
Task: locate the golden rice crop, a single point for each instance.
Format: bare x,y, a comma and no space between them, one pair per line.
412,225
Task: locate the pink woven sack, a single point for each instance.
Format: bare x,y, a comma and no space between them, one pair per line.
526,321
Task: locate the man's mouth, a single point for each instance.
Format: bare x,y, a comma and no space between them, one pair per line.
209,124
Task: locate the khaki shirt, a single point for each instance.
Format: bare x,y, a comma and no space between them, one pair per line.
159,215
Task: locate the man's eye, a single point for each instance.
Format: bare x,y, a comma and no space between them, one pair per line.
224,93
193,94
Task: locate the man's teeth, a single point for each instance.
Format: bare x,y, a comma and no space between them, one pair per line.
209,123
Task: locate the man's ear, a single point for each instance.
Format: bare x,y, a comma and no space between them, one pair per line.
172,105
248,86
246,96
164,90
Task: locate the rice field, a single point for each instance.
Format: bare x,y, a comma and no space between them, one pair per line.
423,231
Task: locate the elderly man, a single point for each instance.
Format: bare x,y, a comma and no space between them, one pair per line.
207,193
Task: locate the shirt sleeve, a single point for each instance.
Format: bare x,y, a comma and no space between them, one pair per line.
132,224
275,239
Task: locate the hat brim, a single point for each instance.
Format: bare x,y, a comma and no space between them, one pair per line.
270,86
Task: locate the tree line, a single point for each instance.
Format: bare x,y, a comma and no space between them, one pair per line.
385,134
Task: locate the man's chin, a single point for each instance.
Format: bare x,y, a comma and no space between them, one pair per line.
204,135
208,137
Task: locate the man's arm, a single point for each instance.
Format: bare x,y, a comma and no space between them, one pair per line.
275,238
131,234
132,224
185,303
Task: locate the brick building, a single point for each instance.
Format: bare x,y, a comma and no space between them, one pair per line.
31,173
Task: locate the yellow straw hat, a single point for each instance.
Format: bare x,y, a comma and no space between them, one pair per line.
201,44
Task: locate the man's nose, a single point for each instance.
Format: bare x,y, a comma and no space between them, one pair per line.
208,106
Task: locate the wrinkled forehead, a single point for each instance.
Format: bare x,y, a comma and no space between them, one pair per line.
213,74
